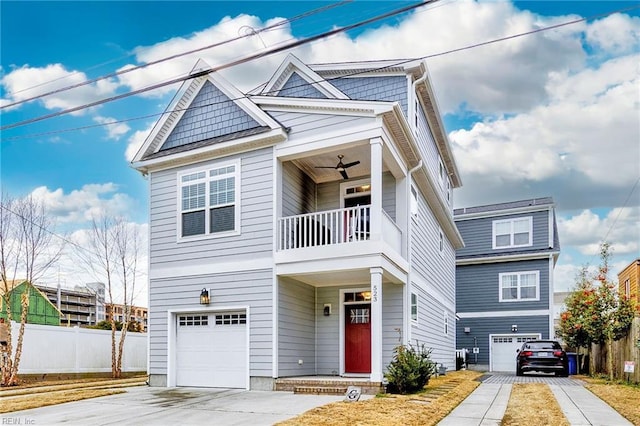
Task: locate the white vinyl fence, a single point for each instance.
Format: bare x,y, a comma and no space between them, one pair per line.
50,349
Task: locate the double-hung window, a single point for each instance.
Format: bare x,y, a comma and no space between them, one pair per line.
519,286
208,201
509,233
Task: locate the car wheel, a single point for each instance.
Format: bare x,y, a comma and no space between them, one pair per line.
518,371
563,373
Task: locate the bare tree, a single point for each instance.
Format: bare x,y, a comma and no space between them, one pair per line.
26,247
112,255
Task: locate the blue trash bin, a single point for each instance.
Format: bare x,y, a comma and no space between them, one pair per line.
573,362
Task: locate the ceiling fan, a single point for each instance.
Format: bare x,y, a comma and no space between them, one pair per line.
340,166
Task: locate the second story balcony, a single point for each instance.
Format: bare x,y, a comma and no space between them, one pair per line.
350,216
335,227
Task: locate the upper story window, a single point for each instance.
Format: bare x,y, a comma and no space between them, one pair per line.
208,201
519,286
627,288
414,307
516,232
414,202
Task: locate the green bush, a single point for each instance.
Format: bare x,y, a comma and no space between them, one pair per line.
410,369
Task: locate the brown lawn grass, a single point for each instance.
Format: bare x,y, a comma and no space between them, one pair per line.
533,401
52,386
625,399
396,409
42,400
32,382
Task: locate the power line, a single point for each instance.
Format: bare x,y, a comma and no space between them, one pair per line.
485,43
177,55
223,66
624,205
60,237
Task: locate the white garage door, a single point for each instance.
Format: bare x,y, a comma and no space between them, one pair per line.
503,350
211,350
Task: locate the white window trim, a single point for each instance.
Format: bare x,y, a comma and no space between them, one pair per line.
207,207
511,221
353,184
411,304
519,273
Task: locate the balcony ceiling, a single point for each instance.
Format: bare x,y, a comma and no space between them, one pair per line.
360,153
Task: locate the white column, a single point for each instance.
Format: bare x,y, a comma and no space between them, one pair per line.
376,324
376,188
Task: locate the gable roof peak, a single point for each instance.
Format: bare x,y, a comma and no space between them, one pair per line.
182,103
293,65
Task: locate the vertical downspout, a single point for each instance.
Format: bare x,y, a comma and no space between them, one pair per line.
412,107
407,296
412,121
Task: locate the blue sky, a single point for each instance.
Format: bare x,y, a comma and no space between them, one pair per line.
553,114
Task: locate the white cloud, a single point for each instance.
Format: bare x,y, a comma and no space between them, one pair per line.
472,77
114,131
26,82
569,146
227,28
615,34
586,230
135,142
83,204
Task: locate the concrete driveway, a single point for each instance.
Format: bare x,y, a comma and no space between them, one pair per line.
175,406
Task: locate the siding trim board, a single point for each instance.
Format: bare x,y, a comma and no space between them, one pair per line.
501,212
491,314
506,258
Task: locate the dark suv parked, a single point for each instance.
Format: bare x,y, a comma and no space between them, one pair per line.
542,355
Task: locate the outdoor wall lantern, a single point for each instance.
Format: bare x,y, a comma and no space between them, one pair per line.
514,328
204,297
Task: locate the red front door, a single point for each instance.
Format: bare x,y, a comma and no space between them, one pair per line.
357,339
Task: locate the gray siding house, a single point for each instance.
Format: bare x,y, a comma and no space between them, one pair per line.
504,279
305,229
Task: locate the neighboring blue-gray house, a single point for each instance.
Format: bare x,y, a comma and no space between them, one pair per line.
504,279
316,216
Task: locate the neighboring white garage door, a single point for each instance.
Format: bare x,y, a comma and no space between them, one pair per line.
503,350
211,350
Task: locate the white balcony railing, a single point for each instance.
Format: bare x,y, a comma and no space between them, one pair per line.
324,228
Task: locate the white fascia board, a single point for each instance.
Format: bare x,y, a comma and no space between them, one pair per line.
503,314
172,272
184,94
504,212
235,146
344,106
396,66
507,258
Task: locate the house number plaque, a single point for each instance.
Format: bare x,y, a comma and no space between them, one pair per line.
374,293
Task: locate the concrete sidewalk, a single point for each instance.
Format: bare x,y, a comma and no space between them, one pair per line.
487,404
